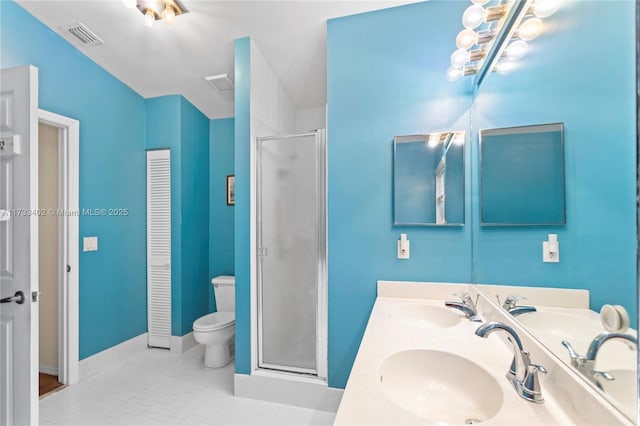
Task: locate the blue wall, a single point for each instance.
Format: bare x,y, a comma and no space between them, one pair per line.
597,107
391,82
221,223
112,171
194,132
242,213
172,122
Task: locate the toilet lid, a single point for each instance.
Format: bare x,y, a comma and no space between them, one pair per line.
214,321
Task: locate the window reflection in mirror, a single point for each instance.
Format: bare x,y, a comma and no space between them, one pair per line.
428,183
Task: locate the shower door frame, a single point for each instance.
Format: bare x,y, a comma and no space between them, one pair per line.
321,222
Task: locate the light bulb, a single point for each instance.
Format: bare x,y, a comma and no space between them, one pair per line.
169,15
434,140
545,8
459,58
466,39
149,18
517,50
473,16
129,4
453,73
530,29
503,67
480,2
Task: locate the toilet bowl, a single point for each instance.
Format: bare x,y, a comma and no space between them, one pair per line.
217,330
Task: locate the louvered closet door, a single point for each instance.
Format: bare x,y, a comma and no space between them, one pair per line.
159,247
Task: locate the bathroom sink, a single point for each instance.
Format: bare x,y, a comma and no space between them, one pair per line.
561,326
440,386
425,316
624,389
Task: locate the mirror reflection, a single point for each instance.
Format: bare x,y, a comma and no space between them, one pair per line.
522,175
428,179
597,107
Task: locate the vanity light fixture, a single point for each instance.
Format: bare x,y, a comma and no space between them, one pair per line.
501,29
154,10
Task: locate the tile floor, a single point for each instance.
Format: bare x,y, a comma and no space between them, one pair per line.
157,387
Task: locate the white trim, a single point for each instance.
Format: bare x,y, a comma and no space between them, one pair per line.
181,344
68,284
288,389
98,362
34,282
47,369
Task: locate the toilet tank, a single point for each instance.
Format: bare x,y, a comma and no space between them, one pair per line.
224,287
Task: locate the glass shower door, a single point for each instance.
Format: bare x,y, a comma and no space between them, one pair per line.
291,250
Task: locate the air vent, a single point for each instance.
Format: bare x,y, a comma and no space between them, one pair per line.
221,82
84,35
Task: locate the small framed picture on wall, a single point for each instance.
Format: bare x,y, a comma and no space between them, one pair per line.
231,190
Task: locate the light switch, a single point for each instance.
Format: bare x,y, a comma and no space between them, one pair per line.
90,243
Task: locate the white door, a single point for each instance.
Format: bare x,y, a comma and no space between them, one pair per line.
159,248
19,246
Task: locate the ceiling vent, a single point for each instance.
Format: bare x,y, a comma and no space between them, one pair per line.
221,83
84,35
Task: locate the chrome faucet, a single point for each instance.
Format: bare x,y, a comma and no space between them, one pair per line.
586,364
522,374
511,306
467,307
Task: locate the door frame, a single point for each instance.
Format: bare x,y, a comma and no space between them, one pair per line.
321,372
68,245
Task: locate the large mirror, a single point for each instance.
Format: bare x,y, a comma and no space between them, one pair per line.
522,176
597,246
428,179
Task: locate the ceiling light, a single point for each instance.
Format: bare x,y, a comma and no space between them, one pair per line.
129,4
545,8
466,38
530,29
149,18
154,10
473,16
453,73
480,2
169,15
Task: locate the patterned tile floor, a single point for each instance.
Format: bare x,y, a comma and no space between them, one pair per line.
157,387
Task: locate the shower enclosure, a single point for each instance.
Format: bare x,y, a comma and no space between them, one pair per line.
291,253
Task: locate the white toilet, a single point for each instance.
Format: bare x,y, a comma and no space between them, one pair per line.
217,330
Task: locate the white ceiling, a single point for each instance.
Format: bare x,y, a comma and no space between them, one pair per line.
164,60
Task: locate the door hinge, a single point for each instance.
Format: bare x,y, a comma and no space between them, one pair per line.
68,268
35,296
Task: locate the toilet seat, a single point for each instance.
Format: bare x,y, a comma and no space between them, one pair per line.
214,321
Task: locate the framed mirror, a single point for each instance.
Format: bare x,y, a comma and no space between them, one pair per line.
428,179
522,176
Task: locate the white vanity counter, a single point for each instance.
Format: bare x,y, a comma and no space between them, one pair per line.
410,338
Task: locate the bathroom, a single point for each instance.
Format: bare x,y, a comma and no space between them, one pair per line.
392,82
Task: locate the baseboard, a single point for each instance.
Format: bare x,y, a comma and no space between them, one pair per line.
98,362
181,344
47,369
288,389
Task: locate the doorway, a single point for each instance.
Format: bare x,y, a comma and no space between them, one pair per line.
48,256
291,255
58,250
